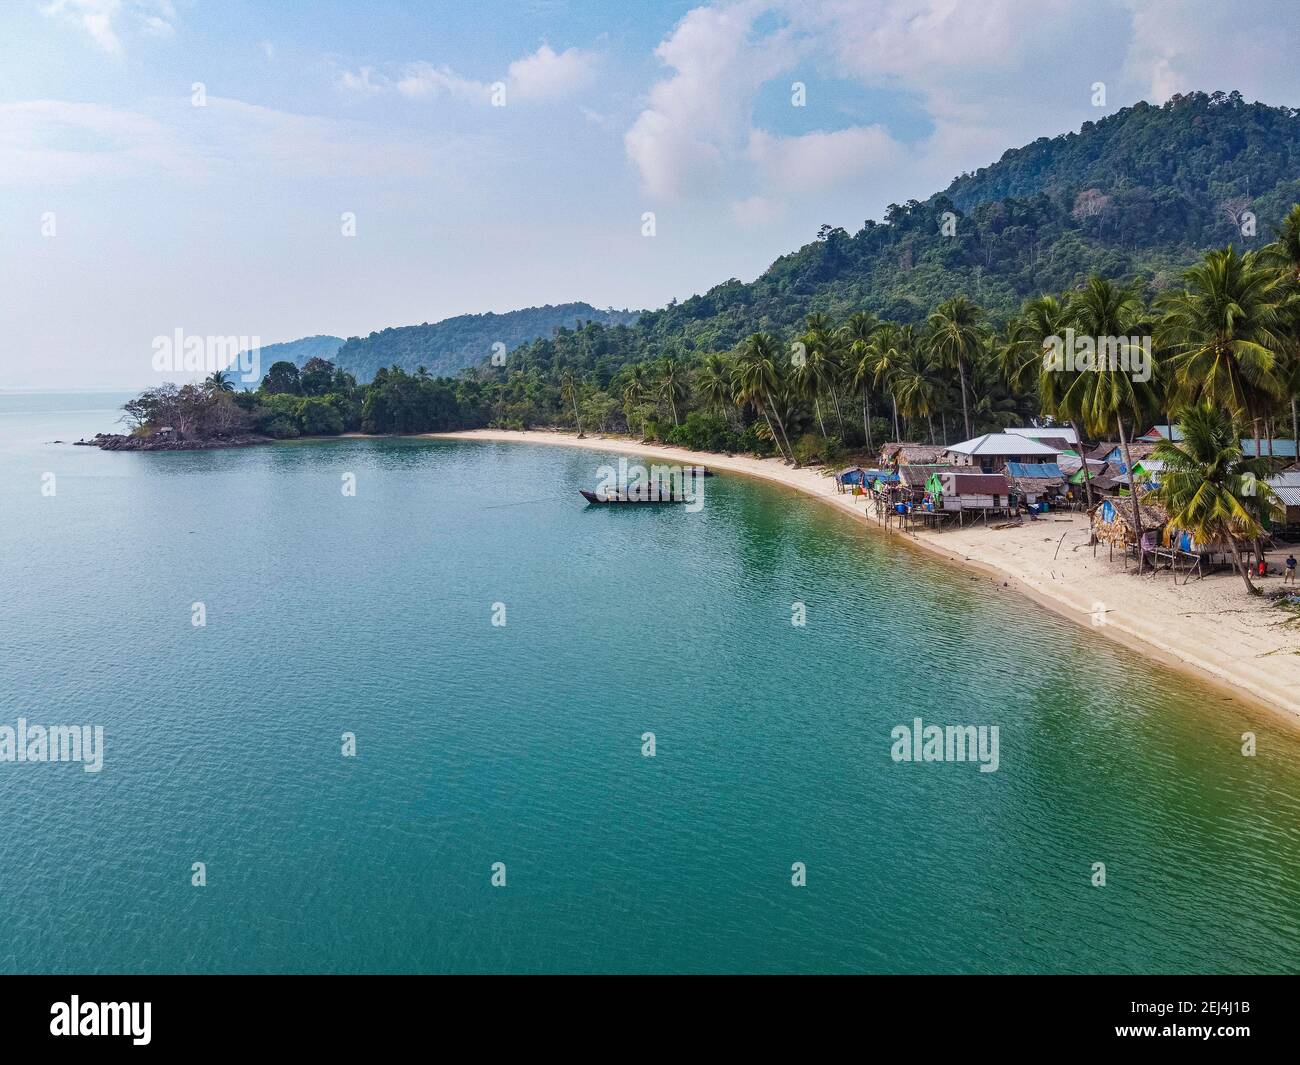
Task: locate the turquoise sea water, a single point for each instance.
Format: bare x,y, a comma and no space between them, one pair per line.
522,744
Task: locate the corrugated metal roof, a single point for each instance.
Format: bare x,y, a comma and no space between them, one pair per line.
1035,469
1002,444
1288,494
975,484
1282,449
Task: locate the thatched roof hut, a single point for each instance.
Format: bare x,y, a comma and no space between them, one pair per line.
1112,520
908,454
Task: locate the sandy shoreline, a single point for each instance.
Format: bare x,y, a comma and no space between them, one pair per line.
1210,628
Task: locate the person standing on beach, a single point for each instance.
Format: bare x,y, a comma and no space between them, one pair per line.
1289,577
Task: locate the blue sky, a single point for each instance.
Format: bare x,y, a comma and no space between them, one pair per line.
127,212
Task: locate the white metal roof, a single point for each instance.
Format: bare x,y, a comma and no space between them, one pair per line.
1001,444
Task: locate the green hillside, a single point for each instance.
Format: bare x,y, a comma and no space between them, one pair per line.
447,347
1139,194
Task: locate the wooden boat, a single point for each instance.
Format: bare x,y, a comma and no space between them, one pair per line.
632,498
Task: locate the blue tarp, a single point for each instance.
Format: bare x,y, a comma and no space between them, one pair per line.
857,476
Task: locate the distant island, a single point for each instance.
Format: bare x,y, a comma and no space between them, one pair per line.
446,347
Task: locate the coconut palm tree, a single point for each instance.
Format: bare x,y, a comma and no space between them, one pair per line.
1284,255
672,382
855,336
1223,334
805,377
954,338
635,388
1208,486
884,359
820,369
713,383
570,381
914,382
218,381
1108,395
757,379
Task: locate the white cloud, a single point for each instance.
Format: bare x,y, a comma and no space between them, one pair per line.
362,82
542,75
547,74
103,19
698,117
818,161
424,79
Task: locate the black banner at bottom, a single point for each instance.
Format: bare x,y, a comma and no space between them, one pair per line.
345,1013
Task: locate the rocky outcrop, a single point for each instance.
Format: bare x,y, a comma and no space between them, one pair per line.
167,442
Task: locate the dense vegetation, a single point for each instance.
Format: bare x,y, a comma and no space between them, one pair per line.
447,347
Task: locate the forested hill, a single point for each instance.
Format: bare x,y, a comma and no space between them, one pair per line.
1137,195
447,347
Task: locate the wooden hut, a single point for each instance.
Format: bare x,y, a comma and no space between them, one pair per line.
982,493
915,479
1286,487
1037,483
1112,524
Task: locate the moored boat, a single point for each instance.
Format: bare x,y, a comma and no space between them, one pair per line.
633,497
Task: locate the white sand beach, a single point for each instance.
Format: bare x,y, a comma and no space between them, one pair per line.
1211,627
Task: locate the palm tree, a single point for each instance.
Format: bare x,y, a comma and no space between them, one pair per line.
819,370
757,378
218,381
914,383
856,336
806,383
1223,333
672,382
713,382
1209,488
635,387
570,385
884,359
1107,395
954,339
1284,254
